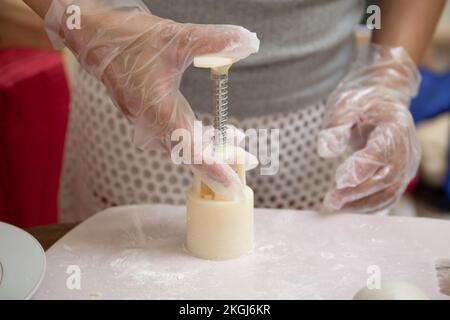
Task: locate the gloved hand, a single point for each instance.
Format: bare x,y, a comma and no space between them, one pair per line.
141,58
368,112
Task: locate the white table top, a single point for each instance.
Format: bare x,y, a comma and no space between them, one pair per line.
137,252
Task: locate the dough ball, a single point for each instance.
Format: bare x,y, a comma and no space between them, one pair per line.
391,290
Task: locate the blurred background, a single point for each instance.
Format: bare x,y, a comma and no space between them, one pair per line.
35,84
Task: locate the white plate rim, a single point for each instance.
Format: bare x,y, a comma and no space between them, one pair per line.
44,265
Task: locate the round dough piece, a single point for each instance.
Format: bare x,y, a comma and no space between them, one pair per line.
392,290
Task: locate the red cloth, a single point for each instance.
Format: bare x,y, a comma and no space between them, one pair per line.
413,184
34,104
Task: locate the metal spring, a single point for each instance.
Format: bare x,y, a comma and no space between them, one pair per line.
220,108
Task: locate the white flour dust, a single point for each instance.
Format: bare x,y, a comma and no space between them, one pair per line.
139,269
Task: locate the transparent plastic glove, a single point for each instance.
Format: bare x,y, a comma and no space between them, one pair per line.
232,154
141,58
368,114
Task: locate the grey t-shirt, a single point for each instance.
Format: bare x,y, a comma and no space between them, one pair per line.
306,48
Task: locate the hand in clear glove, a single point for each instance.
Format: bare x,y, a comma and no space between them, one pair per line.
141,58
368,114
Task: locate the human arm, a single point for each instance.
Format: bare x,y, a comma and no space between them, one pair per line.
141,58
368,112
